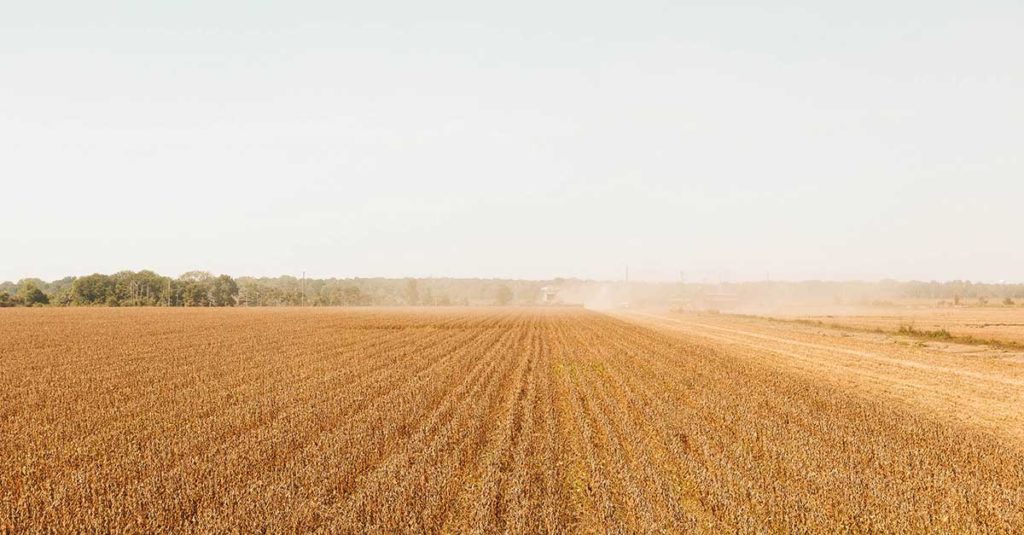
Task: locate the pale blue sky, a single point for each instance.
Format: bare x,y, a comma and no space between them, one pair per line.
527,139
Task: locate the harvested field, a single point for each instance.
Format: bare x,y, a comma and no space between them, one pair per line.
1001,325
493,420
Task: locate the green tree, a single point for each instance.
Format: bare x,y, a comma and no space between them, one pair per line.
144,288
30,294
252,293
62,297
194,294
223,291
95,289
6,300
196,276
196,287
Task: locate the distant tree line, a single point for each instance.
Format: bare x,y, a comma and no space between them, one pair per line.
124,288
203,289
962,289
292,291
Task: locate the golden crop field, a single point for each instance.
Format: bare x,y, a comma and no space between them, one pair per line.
494,420
982,324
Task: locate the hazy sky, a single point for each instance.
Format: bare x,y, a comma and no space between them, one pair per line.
515,139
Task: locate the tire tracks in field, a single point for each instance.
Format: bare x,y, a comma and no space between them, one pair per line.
982,400
818,347
751,426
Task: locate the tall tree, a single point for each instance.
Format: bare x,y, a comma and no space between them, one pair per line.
223,291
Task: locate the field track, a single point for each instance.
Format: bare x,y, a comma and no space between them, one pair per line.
492,420
966,384
981,324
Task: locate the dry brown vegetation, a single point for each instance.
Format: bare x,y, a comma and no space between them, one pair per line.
996,325
489,420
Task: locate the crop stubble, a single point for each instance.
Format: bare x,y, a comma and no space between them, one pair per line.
460,420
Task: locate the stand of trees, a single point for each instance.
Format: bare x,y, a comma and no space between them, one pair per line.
26,293
125,288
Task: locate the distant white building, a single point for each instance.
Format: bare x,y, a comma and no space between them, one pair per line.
549,295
